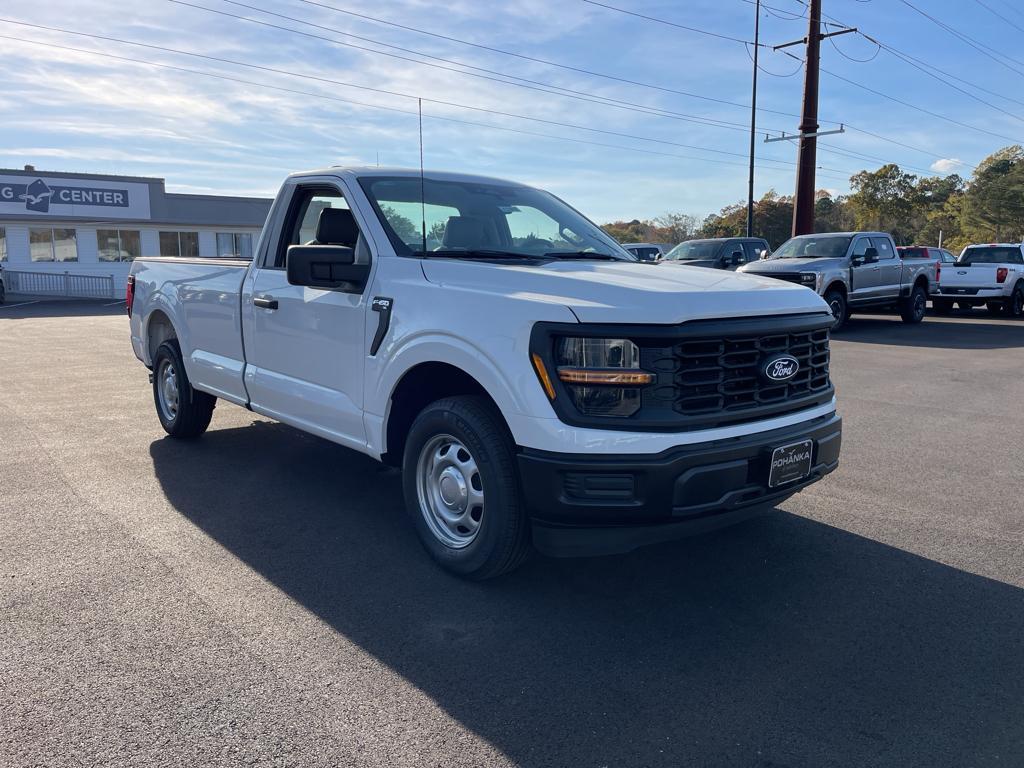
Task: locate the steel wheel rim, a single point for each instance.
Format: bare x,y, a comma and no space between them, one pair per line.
167,389
450,491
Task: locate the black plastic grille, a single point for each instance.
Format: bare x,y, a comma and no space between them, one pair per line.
720,380
789,277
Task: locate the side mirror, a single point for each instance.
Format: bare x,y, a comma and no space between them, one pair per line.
762,254
871,255
331,267
736,258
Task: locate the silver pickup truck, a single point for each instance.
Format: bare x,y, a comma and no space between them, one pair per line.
854,270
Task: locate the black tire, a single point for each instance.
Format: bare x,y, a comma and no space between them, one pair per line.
837,305
995,308
501,540
189,415
942,306
1015,304
3,293
915,306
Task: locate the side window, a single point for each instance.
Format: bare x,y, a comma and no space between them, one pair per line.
303,220
884,247
861,247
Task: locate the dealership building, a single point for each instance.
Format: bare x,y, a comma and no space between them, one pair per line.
90,227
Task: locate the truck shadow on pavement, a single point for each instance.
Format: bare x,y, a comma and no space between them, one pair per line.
782,641
934,333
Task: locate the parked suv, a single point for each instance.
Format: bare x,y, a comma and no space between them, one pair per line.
719,252
854,270
991,274
646,251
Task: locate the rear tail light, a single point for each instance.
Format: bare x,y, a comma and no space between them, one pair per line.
129,292
1001,273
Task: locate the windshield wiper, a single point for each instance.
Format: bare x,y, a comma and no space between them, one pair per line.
474,253
582,255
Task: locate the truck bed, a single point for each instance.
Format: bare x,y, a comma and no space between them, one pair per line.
207,292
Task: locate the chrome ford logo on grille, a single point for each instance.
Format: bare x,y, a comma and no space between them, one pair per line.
781,368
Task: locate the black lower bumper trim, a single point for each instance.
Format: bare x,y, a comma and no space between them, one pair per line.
595,504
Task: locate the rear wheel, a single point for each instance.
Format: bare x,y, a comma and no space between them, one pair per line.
1015,304
837,305
996,308
3,293
914,307
183,411
462,488
942,306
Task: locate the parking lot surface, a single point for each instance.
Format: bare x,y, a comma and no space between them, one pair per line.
257,597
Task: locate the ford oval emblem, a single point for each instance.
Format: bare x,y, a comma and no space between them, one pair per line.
781,368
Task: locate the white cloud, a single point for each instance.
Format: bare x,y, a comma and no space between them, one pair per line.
946,164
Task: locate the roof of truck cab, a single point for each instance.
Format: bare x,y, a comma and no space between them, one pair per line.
845,234
411,173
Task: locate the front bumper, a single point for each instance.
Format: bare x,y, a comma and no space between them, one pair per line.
583,504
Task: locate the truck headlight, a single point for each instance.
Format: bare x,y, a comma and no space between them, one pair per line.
809,279
602,376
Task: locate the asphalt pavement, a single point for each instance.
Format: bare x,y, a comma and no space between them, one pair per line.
257,597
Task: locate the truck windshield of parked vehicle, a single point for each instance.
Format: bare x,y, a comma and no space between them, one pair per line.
991,254
694,249
813,247
473,219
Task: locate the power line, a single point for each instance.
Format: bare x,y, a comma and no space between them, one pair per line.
975,44
493,75
331,81
593,73
327,97
670,23
994,12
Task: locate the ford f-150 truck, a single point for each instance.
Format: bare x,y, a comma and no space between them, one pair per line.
854,270
992,275
539,387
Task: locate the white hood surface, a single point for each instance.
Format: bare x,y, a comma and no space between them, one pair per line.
662,293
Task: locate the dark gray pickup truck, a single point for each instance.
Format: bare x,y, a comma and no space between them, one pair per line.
854,270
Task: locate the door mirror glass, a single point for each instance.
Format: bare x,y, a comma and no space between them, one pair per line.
331,267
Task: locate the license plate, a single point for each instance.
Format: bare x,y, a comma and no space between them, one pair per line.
790,462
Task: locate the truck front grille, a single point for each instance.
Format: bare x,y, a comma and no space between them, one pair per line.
789,277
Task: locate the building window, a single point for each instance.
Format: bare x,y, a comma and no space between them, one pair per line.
119,244
237,245
184,244
3,244
52,244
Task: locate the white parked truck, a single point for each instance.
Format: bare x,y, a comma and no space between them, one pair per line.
991,274
539,387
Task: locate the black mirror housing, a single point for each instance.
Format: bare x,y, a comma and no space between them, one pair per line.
331,267
871,255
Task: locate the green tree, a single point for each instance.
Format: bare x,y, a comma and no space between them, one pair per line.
883,200
993,208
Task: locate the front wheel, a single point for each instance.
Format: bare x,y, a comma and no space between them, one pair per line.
837,305
183,411
461,488
914,306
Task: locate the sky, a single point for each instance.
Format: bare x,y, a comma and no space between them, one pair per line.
312,86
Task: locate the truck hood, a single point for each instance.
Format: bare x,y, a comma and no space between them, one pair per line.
627,292
767,266
696,262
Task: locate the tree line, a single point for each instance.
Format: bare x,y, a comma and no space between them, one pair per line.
989,207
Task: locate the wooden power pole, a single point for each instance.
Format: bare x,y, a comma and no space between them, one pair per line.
803,203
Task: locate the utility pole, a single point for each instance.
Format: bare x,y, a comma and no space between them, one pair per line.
806,161
803,203
753,121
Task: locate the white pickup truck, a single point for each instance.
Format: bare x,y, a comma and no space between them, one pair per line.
539,387
991,274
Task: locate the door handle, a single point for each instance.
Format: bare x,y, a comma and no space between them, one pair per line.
265,302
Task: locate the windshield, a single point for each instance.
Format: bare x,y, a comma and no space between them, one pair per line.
989,254
813,247
694,249
481,220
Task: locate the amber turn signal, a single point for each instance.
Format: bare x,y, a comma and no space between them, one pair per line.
605,376
542,374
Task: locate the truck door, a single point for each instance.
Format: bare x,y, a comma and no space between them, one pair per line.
304,346
865,278
890,268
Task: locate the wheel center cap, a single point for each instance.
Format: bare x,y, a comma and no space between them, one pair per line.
453,488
